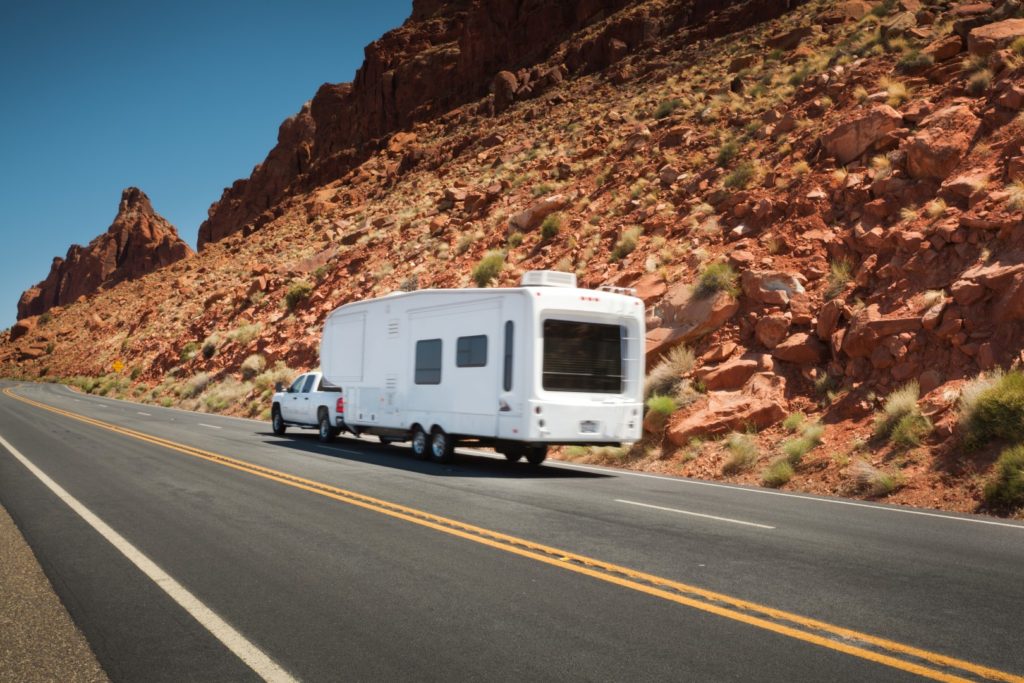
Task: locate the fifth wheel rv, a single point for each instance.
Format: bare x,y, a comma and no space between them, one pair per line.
517,368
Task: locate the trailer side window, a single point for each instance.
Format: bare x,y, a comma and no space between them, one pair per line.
507,381
428,361
471,352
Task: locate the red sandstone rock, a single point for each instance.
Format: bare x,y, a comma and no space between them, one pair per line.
759,404
531,218
802,349
734,373
945,48
771,329
138,242
851,138
987,39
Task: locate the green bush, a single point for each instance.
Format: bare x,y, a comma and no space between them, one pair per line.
796,449
488,268
727,152
666,107
664,405
794,422
551,225
777,473
740,176
245,334
717,277
515,239
996,412
914,61
210,346
1005,490
297,292
188,351
899,404
910,430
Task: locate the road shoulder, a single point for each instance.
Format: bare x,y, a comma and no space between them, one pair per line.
41,642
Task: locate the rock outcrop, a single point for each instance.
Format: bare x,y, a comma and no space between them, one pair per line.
449,53
138,242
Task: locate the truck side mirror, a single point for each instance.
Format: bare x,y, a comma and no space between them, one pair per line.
278,387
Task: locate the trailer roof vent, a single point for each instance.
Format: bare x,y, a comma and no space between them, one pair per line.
547,278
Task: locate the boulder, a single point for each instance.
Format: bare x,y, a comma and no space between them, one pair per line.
944,48
771,329
22,327
531,218
788,40
828,319
734,373
650,288
850,139
986,39
687,317
938,148
802,349
771,287
504,87
760,404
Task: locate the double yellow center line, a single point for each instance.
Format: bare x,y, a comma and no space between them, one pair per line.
865,646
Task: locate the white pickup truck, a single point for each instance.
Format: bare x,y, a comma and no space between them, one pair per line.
310,401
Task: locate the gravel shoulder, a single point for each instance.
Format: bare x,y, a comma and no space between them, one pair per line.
40,641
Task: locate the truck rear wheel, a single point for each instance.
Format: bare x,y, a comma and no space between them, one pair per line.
441,446
326,433
420,443
535,455
277,422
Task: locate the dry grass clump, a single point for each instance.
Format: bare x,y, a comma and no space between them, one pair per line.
266,380
667,376
717,277
796,449
489,267
1015,195
840,272
195,385
220,397
1005,490
872,481
743,453
935,208
252,366
900,421
777,473
245,334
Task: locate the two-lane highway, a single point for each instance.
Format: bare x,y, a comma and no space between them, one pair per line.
199,547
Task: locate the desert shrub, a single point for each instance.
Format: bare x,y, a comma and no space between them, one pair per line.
801,168
742,453
515,239
666,107
872,481
626,244
488,268
796,449
253,366
45,317
665,377
1015,195
740,176
935,208
228,393
551,226
727,152
542,189
717,277
188,351
840,272
266,380
979,83
794,421
210,345
298,291
777,473
575,451
245,334
993,409
913,61
464,242
1005,490
900,411
663,405
195,385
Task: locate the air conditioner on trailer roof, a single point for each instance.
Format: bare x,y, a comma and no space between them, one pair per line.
548,278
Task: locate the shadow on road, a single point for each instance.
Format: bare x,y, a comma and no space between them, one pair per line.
399,457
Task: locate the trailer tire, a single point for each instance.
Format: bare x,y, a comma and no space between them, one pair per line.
441,446
326,432
513,453
420,443
535,455
276,421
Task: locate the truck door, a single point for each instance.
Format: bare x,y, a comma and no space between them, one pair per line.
305,403
289,403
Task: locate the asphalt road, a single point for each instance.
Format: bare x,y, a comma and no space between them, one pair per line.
374,566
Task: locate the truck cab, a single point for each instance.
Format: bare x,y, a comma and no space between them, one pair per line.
309,402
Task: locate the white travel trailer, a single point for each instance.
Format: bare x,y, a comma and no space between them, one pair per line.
516,368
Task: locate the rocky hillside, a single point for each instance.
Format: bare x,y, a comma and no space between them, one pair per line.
138,242
820,203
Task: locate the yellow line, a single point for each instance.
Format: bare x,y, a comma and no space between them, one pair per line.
604,571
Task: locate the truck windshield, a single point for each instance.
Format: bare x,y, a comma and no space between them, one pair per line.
582,357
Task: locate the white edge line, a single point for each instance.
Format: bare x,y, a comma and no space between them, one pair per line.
694,514
255,658
139,412
203,424
803,497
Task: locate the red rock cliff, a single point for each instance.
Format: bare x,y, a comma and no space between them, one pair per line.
448,53
137,242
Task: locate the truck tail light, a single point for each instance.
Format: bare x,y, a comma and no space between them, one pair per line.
340,406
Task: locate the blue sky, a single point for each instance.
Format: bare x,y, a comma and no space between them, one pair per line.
178,98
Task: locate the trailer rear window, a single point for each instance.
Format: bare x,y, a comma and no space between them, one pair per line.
582,357
428,361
